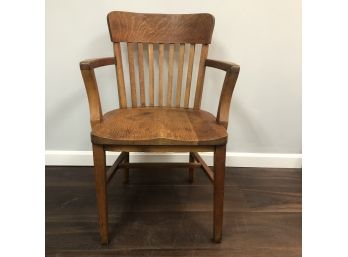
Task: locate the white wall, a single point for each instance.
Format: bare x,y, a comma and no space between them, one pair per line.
263,37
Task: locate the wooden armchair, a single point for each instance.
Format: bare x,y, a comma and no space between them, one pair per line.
159,120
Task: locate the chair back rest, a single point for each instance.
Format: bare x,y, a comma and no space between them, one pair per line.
161,56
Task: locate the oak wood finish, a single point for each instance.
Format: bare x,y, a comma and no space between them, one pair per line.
180,73
160,74
232,71
90,64
130,48
141,73
160,28
158,126
159,148
101,191
151,75
189,76
120,79
170,123
93,96
200,78
219,185
170,75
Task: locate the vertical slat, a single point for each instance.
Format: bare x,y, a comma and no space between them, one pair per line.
160,74
170,75
141,73
189,76
120,79
130,48
200,77
151,74
180,71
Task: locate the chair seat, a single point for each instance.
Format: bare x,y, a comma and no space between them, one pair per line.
158,126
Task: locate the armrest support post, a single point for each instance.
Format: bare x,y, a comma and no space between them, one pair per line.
87,70
232,71
93,96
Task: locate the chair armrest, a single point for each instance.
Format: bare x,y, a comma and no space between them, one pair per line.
90,64
232,71
87,70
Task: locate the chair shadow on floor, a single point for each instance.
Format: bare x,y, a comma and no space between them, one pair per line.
144,211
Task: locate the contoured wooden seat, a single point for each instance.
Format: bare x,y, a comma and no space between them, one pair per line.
159,126
164,56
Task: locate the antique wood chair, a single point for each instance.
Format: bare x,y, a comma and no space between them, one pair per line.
161,120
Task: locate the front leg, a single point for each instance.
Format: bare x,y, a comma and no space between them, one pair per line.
219,183
101,191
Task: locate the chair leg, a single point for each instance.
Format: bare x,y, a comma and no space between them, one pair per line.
101,191
191,169
126,170
219,181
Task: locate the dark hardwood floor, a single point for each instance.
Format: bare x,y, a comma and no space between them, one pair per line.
160,214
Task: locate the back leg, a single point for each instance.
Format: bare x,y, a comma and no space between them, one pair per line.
126,170
191,169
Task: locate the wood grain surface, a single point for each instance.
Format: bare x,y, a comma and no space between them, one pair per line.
160,28
159,126
122,99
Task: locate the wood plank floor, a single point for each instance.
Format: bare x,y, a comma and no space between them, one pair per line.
160,214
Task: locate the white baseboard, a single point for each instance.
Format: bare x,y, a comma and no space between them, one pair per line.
269,160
